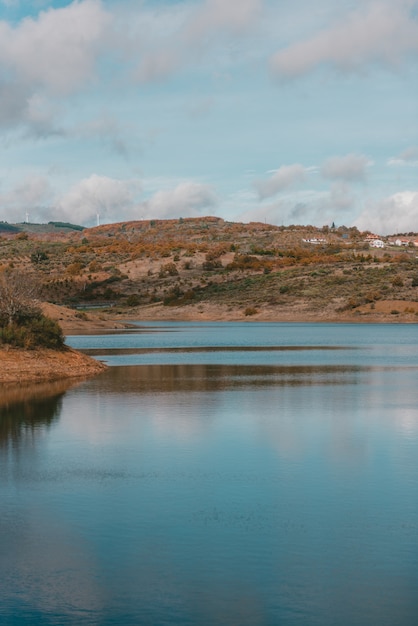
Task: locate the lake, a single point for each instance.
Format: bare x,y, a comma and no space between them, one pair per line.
217,473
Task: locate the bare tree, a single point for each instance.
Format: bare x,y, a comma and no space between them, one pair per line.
18,297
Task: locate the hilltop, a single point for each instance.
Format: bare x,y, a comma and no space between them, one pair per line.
208,268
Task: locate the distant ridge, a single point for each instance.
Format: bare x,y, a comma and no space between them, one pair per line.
8,228
67,225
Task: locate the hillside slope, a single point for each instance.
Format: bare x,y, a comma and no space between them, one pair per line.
209,268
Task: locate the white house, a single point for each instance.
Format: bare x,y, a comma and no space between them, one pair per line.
315,240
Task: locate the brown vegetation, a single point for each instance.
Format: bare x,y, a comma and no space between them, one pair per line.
179,268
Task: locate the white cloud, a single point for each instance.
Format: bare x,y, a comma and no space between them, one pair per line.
396,214
109,131
112,199
27,196
13,103
351,167
341,196
20,106
216,15
53,54
409,156
283,178
382,32
58,49
188,199
301,207
306,206
178,35
41,116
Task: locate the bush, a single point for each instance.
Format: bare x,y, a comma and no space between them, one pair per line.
169,269
133,300
208,266
38,256
33,332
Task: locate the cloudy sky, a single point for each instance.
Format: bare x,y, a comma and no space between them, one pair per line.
285,111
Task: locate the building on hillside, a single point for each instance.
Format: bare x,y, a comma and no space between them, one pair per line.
371,237
376,243
315,240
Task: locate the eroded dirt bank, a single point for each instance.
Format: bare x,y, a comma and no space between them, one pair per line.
19,366
24,366
74,322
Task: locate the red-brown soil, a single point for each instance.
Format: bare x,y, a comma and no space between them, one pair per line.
23,366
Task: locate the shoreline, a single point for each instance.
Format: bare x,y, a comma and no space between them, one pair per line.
19,366
392,312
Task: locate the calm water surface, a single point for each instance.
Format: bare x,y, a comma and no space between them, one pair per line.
260,474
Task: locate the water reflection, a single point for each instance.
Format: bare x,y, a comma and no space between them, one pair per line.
168,378
244,492
26,409
189,350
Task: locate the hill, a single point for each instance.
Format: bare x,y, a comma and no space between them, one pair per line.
208,268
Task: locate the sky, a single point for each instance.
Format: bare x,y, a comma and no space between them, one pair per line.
277,111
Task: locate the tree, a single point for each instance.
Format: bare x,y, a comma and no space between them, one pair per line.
22,323
18,293
38,256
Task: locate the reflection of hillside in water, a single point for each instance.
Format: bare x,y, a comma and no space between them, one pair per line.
24,410
210,377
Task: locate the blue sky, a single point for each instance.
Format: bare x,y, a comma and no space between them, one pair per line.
285,111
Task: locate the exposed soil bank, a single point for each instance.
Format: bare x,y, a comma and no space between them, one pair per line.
389,311
20,366
24,366
385,311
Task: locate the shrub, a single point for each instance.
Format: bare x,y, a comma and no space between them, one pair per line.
169,269
34,332
81,315
75,268
95,266
212,265
133,300
38,256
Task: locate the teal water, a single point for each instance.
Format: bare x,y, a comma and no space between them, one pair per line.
217,474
